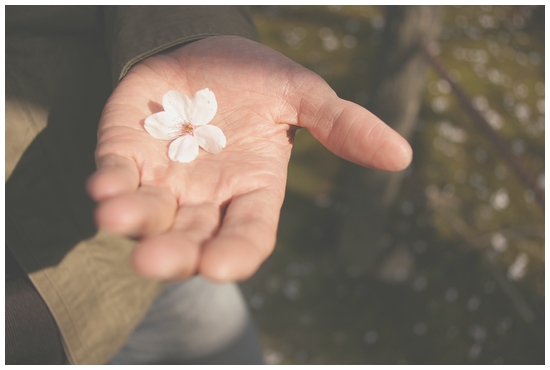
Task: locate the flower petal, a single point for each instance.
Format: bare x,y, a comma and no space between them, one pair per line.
203,107
163,125
184,149
210,138
177,104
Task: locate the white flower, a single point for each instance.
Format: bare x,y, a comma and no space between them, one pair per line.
186,120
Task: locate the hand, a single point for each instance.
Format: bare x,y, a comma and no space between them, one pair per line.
217,216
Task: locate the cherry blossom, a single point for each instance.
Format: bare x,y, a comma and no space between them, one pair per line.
185,121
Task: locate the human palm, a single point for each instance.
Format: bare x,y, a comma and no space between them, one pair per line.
217,215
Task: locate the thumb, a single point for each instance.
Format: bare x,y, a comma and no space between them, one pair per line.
349,130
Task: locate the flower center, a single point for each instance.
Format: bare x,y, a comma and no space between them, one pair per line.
187,129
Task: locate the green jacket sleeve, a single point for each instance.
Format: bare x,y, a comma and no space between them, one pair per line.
136,32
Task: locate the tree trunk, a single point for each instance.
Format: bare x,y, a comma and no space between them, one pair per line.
395,97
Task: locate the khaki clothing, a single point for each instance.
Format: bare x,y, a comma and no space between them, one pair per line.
61,64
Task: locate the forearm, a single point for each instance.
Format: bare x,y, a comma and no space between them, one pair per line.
136,32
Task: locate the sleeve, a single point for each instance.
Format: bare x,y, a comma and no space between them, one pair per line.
136,32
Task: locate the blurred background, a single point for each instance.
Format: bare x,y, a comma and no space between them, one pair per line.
442,263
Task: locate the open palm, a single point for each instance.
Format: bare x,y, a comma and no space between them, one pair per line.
217,215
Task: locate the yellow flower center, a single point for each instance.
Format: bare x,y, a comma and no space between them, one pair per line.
187,129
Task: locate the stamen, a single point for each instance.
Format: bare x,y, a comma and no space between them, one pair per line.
187,129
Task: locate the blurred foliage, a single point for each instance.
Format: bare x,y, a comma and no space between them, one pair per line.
475,231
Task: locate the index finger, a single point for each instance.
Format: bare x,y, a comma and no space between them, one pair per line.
246,237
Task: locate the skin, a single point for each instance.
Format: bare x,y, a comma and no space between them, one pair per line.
218,215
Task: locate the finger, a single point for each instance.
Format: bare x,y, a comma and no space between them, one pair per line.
245,239
148,210
174,255
352,132
114,175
